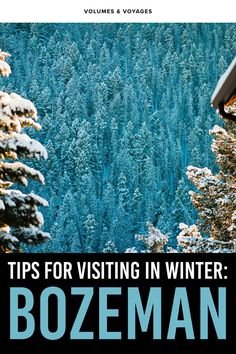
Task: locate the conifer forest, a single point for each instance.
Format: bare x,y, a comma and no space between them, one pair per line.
125,114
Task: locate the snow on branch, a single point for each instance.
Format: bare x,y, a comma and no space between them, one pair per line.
4,55
20,218
31,235
13,104
17,172
20,145
20,209
191,241
215,199
154,242
5,69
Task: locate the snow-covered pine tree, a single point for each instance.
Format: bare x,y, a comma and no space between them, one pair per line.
154,242
20,220
216,201
110,247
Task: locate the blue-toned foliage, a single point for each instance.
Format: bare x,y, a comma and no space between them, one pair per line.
125,108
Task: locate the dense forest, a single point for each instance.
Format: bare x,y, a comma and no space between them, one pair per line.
125,108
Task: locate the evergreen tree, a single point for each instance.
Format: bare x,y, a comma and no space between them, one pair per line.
216,201
91,242
110,247
66,227
20,220
115,100
154,242
181,209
